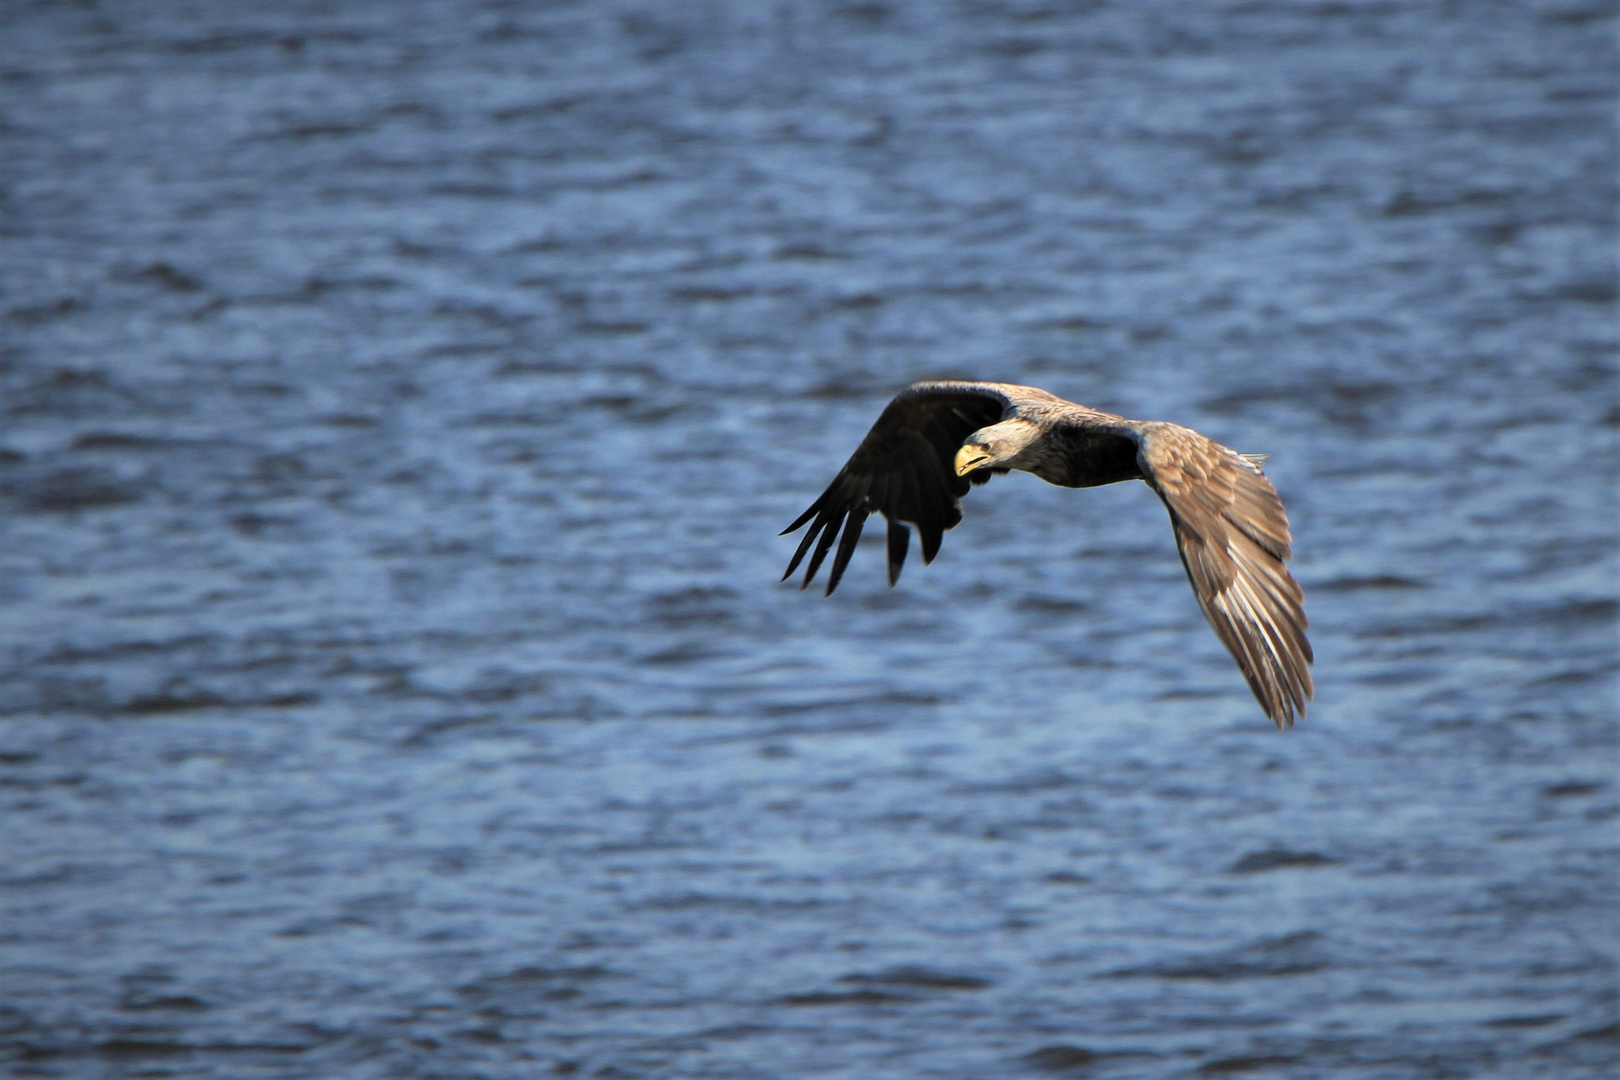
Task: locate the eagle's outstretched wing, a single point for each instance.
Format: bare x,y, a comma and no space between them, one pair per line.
903,470
1233,537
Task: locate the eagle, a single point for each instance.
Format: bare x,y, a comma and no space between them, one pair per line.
936,439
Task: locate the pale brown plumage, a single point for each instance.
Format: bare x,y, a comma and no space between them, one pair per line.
936,438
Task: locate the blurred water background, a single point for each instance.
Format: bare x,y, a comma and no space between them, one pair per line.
400,401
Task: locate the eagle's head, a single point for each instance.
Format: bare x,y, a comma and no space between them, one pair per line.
998,444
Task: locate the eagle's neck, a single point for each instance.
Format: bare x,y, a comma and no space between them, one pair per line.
1076,458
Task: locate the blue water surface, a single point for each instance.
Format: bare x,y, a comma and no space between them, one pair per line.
398,405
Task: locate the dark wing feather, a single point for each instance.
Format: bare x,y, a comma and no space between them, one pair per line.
1233,537
905,470
899,541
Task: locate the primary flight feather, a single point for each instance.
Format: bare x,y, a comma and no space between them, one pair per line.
937,438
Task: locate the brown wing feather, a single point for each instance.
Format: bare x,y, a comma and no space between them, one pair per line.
903,470
1233,536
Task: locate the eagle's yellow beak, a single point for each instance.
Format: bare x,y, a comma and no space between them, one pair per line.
970,457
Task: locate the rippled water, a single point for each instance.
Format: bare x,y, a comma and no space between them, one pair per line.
400,404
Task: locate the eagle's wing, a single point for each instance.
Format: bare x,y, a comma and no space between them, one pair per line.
904,470
1233,537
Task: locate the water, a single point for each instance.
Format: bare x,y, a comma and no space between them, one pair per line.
401,401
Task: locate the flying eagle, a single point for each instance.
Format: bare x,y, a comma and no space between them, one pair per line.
936,438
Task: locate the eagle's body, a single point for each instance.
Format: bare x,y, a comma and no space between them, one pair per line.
936,438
